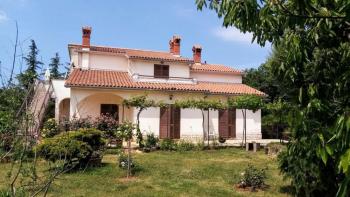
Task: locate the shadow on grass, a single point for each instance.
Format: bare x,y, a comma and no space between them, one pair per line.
287,189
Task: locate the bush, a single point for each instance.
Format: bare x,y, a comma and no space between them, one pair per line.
75,148
123,161
107,124
252,177
168,144
185,146
200,145
151,141
50,128
80,123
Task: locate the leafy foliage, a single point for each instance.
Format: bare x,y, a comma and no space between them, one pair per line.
168,144
75,148
151,141
141,102
27,78
50,128
54,67
253,177
311,59
107,124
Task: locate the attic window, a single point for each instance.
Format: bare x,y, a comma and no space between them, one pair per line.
161,71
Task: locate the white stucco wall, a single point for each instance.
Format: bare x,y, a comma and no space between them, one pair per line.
60,93
86,102
253,124
108,62
217,77
147,68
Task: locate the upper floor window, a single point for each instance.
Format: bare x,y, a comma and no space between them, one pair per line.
161,71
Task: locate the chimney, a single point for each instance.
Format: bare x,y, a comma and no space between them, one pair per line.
175,45
86,36
197,53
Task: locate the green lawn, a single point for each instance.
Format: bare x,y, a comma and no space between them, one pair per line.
197,173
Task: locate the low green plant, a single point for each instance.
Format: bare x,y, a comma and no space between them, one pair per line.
200,145
123,161
151,141
184,145
50,128
252,177
75,148
168,144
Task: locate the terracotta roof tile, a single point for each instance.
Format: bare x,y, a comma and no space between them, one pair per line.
116,79
214,68
138,54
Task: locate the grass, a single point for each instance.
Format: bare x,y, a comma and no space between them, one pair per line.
194,173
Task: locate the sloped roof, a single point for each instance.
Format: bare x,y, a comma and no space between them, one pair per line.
138,54
214,68
117,79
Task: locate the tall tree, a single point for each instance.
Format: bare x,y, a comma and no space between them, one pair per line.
54,67
311,57
33,64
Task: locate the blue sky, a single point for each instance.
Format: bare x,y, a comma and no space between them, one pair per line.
133,24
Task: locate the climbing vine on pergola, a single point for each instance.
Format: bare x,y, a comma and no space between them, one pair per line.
141,103
203,105
244,102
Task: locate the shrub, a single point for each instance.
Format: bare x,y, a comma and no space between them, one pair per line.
200,145
75,148
123,161
252,177
80,123
185,145
168,144
107,124
151,141
50,128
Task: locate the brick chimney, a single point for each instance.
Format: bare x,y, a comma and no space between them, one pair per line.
174,44
197,53
86,36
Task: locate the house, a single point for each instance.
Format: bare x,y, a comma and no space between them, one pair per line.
102,77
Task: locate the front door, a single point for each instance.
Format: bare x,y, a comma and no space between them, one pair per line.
110,110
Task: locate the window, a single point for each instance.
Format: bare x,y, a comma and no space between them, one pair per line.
161,71
110,110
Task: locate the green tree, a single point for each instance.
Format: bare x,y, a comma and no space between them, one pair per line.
54,67
141,103
311,57
33,64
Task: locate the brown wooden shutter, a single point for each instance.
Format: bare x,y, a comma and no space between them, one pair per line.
227,123
164,123
232,123
157,70
165,73
223,123
169,122
176,122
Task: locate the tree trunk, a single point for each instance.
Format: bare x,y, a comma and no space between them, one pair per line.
129,158
245,127
208,129
203,126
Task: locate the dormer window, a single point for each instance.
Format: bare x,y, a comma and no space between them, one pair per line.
161,71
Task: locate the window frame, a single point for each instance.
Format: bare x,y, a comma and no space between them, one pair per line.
164,70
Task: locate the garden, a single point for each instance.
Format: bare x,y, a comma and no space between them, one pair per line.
167,173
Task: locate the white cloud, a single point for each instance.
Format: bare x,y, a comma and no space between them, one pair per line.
233,35
3,16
